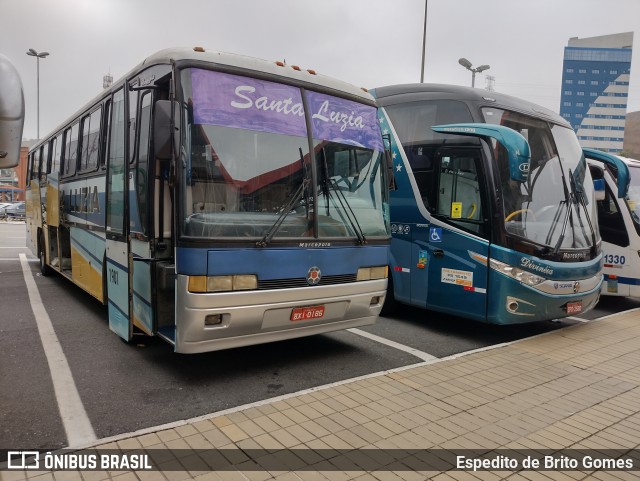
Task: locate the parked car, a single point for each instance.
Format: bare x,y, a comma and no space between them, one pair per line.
15,210
3,207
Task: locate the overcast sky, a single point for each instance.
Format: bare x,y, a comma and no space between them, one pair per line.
366,42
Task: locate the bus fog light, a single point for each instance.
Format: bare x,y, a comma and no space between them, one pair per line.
213,320
375,301
512,306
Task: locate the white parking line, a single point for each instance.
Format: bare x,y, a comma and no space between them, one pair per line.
419,354
74,417
17,259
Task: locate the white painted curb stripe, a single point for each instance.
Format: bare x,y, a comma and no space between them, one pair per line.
74,417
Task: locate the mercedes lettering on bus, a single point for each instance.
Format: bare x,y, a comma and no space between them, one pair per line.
217,200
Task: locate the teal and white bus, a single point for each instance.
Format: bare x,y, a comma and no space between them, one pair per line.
495,219
619,221
217,200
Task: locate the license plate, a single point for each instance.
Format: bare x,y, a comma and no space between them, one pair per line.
574,307
306,313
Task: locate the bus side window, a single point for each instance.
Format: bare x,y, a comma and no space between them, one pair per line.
71,149
56,153
610,220
44,162
91,140
459,199
142,166
30,168
35,172
106,122
422,167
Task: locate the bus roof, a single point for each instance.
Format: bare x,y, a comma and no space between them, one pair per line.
228,60
253,64
394,94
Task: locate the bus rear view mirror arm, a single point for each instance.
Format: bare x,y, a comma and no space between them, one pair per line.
515,144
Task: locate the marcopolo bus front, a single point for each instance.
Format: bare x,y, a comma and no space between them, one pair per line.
526,289
235,297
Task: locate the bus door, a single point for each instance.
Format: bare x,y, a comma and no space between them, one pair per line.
456,243
142,265
117,244
615,237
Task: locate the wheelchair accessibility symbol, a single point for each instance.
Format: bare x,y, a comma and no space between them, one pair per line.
435,234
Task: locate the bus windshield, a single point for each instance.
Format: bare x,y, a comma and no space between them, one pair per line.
633,196
554,207
252,171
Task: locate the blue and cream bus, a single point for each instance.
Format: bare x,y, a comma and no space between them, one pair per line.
217,200
494,220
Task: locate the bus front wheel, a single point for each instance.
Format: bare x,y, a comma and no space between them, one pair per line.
45,270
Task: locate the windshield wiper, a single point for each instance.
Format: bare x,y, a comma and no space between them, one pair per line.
344,203
579,194
575,196
286,210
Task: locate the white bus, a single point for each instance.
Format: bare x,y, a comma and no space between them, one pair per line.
619,221
216,201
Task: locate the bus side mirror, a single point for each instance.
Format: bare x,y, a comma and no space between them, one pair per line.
623,175
516,145
11,114
166,129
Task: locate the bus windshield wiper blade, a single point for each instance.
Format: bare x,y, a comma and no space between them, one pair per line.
564,225
344,203
328,185
285,212
302,191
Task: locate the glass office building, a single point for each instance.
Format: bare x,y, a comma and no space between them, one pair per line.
595,88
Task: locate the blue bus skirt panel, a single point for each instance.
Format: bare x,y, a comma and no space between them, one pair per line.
222,320
279,263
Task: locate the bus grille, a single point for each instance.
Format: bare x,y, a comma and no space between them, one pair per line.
301,282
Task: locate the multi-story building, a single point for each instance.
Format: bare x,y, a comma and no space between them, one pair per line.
595,88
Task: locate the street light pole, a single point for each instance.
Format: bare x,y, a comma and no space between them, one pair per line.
32,53
424,40
466,64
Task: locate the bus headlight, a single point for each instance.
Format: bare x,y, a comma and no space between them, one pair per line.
241,282
525,277
372,273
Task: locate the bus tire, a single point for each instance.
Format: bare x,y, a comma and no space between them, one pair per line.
45,270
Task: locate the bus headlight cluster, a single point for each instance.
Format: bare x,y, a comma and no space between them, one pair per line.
525,277
372,273
242,282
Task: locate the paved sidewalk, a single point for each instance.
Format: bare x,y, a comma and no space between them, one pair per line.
577,388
